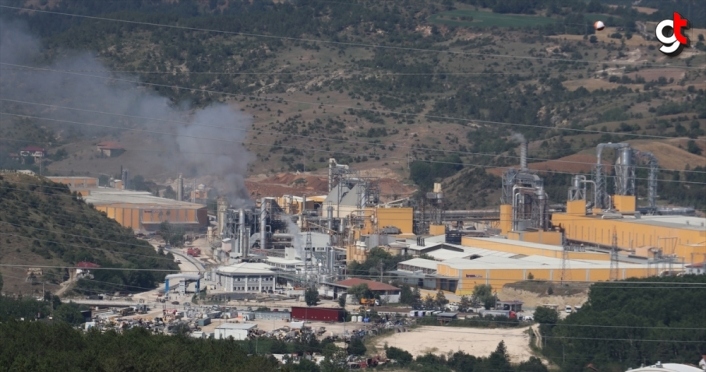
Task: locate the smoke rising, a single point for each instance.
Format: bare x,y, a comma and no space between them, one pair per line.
518,137
293,229
187,137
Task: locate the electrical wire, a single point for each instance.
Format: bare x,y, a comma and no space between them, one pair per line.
355,142
302,73
340,43
387,112
314,149
89,248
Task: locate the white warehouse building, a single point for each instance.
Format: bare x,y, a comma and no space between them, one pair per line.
246,277
239,331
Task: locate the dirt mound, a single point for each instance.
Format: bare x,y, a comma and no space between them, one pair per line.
306,184
576,163
669,155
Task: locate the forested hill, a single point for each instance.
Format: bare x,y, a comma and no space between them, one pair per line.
381,84
642,321
42,223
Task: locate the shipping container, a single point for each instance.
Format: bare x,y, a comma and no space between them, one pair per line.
318,314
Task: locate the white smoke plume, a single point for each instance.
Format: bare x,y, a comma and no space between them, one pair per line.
518,137
297,242
195,142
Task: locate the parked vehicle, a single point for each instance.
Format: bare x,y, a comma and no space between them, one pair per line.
568,309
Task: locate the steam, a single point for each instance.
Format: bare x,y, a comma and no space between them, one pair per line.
197,143
293,229
518,137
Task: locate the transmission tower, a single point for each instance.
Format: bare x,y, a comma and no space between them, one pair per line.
614,257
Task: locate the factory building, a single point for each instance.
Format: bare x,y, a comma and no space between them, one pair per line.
682,236
138,210
246,277
461,275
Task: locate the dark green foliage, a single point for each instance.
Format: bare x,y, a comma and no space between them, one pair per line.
400,356
406,295
36,346
424,174
630,313
65,230
173,235
342,300
356,347
24,307
377,259
311,296
69,313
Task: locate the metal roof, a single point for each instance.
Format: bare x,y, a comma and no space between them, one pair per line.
422,263
246,268
679,222
521,243
183,276
373,285
243,326
107,196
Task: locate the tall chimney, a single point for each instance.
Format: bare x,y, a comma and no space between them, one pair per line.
180,188
523,155
222,209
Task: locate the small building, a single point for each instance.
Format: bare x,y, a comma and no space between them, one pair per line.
322,314
509,305
83,269
246,277
34,151
238,331
110,149
387,293
695,269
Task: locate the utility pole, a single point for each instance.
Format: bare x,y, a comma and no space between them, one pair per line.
614,257
381,270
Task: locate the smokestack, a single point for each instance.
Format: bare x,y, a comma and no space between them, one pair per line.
523,155
180,188
241,232
222,208
125,176
263,223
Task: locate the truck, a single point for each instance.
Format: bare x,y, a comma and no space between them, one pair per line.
193,252
369,302
508,313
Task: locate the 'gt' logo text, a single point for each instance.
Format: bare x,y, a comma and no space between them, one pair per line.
673,44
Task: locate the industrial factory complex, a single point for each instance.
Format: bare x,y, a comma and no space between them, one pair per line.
308,240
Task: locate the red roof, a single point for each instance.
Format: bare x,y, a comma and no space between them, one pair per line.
33,149
373,285
110,145
87,265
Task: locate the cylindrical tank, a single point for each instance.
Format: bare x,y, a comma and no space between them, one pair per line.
626,161
180,188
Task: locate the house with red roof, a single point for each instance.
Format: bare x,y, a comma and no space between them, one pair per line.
83,269
110,149
34,151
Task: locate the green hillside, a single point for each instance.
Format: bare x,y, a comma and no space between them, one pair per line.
43,224
373,84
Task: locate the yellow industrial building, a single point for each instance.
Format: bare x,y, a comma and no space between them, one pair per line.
682,236
138,210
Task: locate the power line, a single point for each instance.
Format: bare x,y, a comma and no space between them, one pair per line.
302,73
387,112
602,285
90,248
365,143
314,149
341,43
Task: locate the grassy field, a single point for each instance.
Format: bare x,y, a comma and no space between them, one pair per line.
487,19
